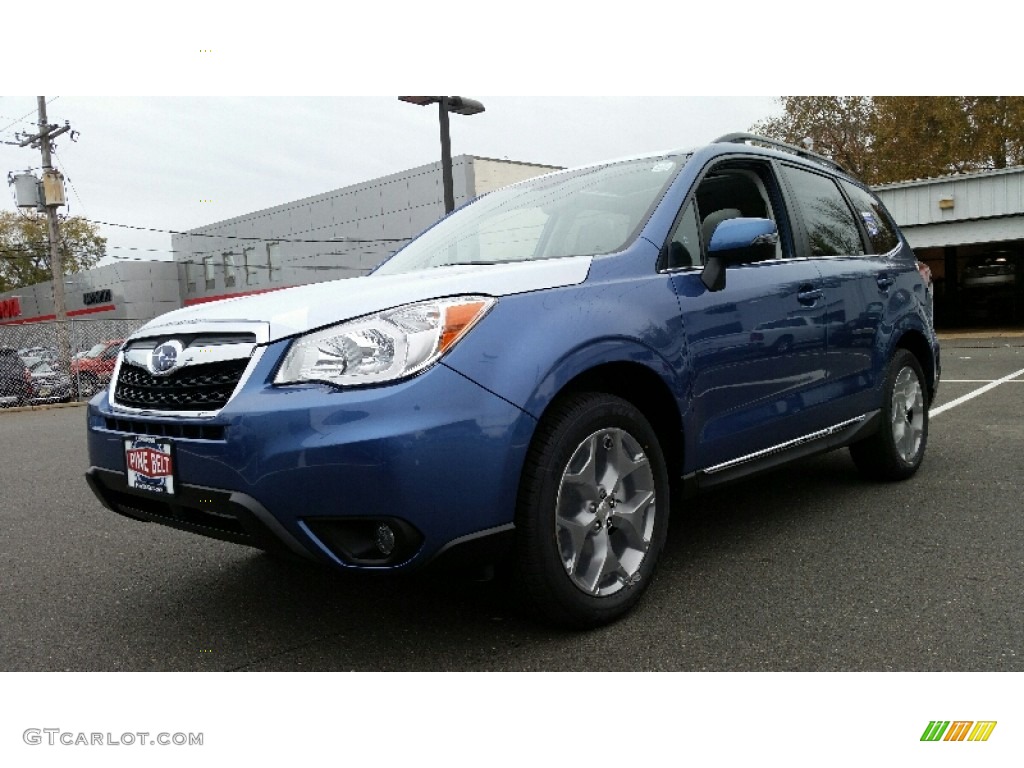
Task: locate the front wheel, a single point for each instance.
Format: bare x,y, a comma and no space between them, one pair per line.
897,449
592,512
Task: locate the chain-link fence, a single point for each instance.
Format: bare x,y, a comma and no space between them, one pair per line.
58,362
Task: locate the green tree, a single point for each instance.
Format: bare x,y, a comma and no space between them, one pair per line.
840,127
893,138
923,136
25,249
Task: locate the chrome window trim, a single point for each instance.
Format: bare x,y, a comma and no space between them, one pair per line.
202,355
822,433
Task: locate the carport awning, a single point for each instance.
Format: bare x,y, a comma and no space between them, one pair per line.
972,232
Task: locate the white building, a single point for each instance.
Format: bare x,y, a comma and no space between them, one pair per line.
342,233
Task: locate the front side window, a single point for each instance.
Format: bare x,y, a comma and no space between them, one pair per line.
731,190
831,228
587,211
684,245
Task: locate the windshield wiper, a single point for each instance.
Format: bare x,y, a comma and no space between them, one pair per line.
468,264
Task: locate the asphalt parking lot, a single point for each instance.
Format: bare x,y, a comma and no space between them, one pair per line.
810,568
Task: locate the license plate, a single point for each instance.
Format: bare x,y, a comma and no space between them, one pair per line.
150,464
45,391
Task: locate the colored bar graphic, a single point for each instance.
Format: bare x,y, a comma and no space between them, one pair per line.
982,730
935,730
960,730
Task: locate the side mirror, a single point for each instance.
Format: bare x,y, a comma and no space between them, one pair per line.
738,241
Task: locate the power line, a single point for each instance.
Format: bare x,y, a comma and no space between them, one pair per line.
258,239
60,160
27,114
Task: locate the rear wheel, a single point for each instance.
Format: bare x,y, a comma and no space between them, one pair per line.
592,513
897,449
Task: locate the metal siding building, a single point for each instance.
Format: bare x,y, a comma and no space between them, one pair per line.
951,221
338,234
126,291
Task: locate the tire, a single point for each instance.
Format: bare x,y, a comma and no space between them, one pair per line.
783,345
592,511
896,450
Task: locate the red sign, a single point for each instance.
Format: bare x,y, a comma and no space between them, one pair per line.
148,462
10,307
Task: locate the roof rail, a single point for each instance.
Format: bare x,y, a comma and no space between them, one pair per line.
750,138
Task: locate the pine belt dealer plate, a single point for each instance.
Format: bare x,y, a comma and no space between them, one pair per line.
150,464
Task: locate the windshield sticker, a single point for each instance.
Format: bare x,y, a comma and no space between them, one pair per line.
663,167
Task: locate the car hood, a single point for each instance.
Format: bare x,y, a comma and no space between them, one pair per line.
290,311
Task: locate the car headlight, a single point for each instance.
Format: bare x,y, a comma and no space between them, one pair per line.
384,346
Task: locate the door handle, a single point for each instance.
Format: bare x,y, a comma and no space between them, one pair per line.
885,282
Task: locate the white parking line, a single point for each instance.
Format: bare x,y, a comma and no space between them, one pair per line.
975,393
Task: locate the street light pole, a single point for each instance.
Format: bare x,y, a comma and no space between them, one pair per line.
446,157
446,104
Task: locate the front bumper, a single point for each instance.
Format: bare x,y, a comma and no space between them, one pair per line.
288,467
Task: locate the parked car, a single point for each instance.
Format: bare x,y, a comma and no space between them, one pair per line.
92,370
37,353
994,270
15,379
530,379
784,334
49,384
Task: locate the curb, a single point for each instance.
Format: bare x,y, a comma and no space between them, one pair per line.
45,406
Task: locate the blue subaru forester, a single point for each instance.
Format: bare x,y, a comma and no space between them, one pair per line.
529,379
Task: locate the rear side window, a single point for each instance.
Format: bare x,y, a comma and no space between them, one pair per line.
831,228
880,229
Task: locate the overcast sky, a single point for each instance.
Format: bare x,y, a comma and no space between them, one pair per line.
150,160
176,162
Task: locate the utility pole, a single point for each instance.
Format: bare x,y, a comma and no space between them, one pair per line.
56,266
52,198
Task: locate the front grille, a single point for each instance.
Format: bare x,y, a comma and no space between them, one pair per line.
193,388
165,429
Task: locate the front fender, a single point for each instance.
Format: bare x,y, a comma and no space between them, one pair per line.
530,346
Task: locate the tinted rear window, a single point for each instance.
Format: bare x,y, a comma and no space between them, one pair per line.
830,225
881,231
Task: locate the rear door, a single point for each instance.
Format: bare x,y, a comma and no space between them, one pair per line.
848,234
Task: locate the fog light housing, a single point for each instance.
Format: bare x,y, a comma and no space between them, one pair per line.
385,539
377,541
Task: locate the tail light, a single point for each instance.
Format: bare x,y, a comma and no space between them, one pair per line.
926,273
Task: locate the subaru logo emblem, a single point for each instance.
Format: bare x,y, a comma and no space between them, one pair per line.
165,358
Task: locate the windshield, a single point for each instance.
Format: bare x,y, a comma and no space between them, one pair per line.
96,351
580,212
